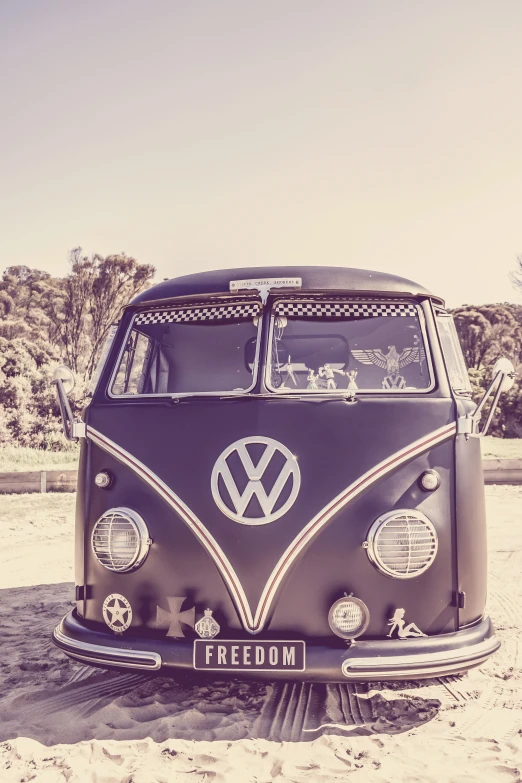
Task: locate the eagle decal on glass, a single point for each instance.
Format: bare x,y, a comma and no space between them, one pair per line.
392,362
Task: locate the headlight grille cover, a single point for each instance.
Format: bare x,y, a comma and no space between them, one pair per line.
120,540
402,543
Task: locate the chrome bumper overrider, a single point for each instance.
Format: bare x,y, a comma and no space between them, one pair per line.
97,653
363,661
420,664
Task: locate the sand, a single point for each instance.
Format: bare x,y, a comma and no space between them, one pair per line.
63,721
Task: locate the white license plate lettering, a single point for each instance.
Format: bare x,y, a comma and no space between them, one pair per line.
239,655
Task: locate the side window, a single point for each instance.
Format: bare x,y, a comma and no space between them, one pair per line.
132,371
457,370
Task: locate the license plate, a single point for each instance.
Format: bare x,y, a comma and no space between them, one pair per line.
244,655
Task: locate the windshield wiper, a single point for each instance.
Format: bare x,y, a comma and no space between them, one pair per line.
341,396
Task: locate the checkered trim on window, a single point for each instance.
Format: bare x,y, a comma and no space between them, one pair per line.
190,314
343,309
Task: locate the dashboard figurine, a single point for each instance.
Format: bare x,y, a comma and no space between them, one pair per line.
327,373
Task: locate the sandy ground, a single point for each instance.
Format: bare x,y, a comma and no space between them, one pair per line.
62,721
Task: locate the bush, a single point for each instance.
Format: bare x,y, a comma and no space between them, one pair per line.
29,411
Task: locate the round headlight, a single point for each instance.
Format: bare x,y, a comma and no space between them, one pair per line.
402,543
120,540
348,617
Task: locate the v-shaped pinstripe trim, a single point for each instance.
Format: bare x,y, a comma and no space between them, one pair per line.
255,624
188,516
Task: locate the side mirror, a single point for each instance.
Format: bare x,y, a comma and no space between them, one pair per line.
503,379
66,376
503,365
64,381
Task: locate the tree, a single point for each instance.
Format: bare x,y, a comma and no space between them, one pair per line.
46,321
516,276
90,300
29,412
119,278
25,303
69,310
489,331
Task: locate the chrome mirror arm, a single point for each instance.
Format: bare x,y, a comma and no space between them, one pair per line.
71,428
65,409
494,403
469,425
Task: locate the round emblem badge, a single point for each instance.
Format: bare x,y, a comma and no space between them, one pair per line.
255,480
117,612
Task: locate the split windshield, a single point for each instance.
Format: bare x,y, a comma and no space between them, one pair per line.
190,350
328,346
316,345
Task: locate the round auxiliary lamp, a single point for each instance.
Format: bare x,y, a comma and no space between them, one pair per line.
349,617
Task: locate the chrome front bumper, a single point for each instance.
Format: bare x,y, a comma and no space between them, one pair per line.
390,659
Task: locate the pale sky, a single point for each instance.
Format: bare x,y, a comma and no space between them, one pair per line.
378,134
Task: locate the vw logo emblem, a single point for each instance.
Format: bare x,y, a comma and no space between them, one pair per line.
274,476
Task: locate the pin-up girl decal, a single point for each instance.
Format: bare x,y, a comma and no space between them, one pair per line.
403,631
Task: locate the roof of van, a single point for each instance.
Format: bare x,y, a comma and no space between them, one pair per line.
315,278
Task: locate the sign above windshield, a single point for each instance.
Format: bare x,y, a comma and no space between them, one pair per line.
264,284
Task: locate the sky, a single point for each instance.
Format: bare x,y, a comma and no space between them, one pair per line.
223,133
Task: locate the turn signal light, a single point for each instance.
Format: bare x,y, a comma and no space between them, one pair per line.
430,480
103,479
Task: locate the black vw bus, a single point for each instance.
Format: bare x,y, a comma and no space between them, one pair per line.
280,477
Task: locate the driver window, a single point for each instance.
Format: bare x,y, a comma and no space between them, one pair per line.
190,351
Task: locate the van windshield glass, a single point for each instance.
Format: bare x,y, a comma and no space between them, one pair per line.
190,350
341,345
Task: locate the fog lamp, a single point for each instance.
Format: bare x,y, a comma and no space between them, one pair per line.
349,617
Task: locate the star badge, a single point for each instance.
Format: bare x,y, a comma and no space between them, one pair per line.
117,612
